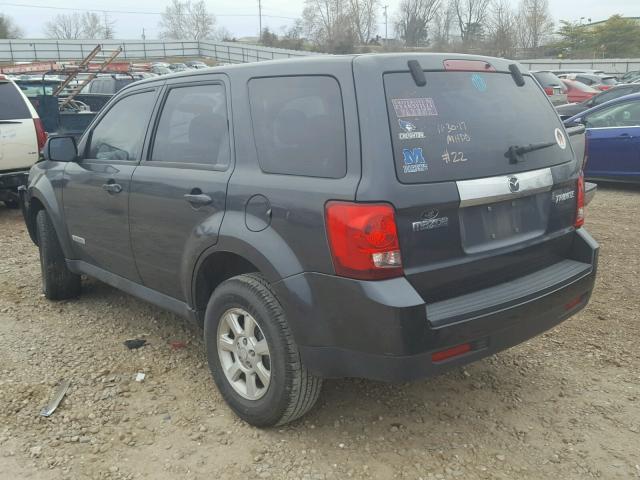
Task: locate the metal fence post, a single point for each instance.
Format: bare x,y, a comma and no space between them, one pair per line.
144,49
11,50
81,51
35,52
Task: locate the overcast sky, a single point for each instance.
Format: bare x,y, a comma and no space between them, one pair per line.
240,17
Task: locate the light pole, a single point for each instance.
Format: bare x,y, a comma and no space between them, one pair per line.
260,20
386,24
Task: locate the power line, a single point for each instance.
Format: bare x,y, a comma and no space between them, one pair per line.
131,12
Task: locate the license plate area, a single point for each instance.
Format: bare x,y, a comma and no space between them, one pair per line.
501,224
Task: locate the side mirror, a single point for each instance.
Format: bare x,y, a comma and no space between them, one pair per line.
61,149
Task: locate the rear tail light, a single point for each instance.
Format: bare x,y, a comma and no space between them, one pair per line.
363,240
41,135
548,90
580,202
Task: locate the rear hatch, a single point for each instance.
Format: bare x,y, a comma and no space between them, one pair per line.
18,140
474,208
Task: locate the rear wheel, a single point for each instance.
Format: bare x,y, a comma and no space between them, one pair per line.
252,355
58,282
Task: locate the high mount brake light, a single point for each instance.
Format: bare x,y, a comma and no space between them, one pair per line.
363,240
468,66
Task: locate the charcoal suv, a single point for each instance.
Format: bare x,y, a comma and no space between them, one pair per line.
375,216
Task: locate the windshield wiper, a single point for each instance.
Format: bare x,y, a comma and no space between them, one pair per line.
515,152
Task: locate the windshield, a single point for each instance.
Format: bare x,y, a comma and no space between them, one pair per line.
581,86
609,81
461,125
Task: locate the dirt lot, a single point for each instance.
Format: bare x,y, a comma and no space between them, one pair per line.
564,405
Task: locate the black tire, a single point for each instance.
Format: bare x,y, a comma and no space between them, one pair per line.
292,390
13,204
58,282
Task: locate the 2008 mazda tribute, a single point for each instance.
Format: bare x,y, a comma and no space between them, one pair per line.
379,216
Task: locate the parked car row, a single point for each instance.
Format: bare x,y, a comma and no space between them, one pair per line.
163,68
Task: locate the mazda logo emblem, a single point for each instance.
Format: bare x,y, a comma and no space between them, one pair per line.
514,184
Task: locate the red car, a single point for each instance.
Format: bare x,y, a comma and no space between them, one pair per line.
578,91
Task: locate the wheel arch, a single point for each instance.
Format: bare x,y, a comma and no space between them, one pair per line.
39,201
212,269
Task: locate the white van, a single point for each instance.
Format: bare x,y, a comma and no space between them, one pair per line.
22,136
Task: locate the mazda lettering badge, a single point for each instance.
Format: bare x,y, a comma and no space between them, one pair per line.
514,184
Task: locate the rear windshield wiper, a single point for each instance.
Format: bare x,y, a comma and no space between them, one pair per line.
515,152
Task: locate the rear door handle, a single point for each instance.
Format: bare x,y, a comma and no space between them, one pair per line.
112,187
626,136
198,199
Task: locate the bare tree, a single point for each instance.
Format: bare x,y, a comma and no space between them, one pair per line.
108,29
363,14
65,26
8,29
414,18
91,25
502,37
441,27
187,19
328,24
471,16
534,23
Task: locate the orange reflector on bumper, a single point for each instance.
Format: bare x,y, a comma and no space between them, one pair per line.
451,352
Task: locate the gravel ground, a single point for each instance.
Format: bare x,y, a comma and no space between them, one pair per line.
563,405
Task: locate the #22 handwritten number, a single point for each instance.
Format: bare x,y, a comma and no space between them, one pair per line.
453,157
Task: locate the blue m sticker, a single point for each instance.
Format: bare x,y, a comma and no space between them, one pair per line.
413,160
412,156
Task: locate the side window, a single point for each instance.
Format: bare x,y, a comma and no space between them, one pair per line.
193,127
120,133
621,115
611,94
12,105
298,126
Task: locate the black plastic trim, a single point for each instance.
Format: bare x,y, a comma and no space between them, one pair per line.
132,288
501,296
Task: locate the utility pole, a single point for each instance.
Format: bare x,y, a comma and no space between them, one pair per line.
386,24
260,20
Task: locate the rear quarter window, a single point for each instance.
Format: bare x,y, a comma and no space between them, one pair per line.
298,125
12,104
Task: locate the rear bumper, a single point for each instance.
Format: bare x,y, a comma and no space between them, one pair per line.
385,331
9,182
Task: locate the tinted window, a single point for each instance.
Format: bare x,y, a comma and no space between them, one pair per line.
120,133
12,105
121,83
298,125
193,127
611,94
455,127
620,115
585,80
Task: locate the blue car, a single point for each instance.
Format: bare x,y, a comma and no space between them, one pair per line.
613,139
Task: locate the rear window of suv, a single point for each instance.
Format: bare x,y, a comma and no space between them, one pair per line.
12,105
461,125
298,125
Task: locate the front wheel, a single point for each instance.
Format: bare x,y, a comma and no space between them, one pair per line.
252,355
58,282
